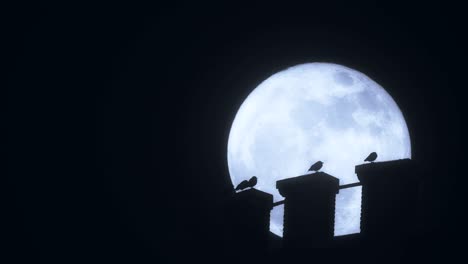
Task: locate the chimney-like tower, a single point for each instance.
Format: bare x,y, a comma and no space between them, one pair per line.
309,210
389,200
250,213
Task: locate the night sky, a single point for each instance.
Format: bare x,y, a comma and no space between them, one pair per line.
118,116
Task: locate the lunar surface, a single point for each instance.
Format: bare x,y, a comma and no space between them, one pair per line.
311,112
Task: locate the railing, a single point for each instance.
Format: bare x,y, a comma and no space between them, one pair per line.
350,185
278,203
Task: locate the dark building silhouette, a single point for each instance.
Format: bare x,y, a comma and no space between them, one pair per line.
389,214
309,210
389,201
250,214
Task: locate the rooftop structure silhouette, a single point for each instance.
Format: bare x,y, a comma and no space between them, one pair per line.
389,211
309,209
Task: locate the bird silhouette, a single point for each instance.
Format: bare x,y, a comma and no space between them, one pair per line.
253,181
316,166
371,157
246,184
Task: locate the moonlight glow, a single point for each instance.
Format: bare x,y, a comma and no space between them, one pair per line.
310,112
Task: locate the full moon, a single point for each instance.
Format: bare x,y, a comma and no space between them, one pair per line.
311,112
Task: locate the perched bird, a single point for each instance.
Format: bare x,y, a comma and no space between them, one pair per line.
246,184
371,157
316,166
253,181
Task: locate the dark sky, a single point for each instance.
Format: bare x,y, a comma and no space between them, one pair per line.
118,115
